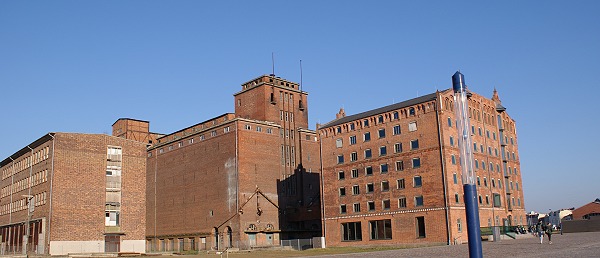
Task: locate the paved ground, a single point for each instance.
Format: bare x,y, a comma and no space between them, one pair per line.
568,245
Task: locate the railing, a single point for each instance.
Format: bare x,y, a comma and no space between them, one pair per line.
298,244
488,231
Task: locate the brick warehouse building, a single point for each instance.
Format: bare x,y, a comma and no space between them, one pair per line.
86,192
391,175
243,179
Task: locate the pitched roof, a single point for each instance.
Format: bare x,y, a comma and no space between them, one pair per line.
381,110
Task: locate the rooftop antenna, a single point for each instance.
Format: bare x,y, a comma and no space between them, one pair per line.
300,75
273,63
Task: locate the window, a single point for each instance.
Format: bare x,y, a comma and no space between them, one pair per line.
411,111
340,159
355,190
451,141
414,144
356,207
418,201
180,144
480,199
342,191
258,129
416,162
400,183
371,205
417,181
487,199
497,200
380,229
354,173
352,139
395,115
455,178
385,186
367,136
478,181
453,158
456,198
459,225
353,156
368,154
366,122
370,188
341,175
369,171
191,140
352,127
402,202
213,133
380,119
343,208
381,133
338,143
399,165
397,147
420,226
384,168
351,231
386,204
412,126
382,151
397,130
449,122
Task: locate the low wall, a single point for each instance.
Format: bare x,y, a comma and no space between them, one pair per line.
584,225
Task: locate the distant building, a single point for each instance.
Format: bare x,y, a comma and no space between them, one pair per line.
587,211
392,174
555,217
86,192
239,180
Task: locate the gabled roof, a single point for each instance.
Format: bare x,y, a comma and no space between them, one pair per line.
410,102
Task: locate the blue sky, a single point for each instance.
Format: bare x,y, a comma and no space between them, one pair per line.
78,66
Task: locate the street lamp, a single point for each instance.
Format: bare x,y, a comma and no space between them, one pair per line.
461,109
30,209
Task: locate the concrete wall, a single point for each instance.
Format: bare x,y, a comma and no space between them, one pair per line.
572,226
67,247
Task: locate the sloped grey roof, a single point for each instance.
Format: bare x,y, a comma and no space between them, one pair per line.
381,110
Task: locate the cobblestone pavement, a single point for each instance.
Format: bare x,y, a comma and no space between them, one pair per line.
568,245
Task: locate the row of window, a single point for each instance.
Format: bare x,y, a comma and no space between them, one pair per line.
378,229
383,168
381,133
490,167
368,153
33,180
26,162
385,205
385,186
19,205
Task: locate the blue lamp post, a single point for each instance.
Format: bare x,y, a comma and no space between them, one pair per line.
461,109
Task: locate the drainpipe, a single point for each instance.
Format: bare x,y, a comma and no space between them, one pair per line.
444,183
322,184
50,196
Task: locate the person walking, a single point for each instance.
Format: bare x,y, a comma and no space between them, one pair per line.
539,228
549,232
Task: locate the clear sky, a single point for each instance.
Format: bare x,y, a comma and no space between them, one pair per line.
78,66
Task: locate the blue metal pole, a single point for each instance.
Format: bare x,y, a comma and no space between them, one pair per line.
461,109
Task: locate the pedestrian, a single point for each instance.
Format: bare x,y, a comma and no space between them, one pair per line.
549,232
539,229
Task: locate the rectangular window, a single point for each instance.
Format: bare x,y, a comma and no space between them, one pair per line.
353,156
420,226
453,159
418,201
414,144
370,188
385,186
456,198
381,133
451,141
367,136
402,202
343,208
355,190
397,147
368,154
351,231
386,204
354,173
369,170
352,127
397,130
412,126
455,178
497,200
340,159
341,175
417,181
338,143
366,122
356,207
380,119
342,191
384,168
399,165
382,151
352,139
380,229
371,206
459,225
416,162
401,184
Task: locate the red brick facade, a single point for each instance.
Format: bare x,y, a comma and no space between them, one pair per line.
408,194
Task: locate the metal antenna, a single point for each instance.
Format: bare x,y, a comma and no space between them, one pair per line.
273,63
300,75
